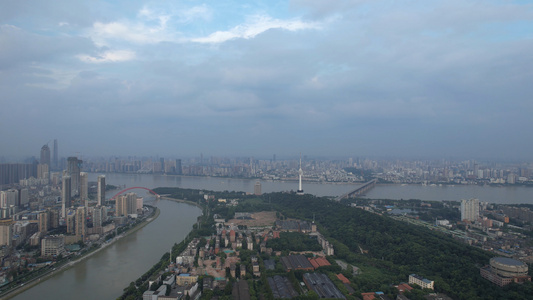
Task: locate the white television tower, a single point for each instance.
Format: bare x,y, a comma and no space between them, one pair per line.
300,173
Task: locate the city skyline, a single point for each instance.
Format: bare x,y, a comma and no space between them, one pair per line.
350,78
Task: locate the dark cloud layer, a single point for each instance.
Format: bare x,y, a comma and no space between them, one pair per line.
354,78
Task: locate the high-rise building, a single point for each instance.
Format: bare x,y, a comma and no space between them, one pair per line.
13,173
9,198
43,171
66,195
470,209
178,167
162,160
45,155
73,170
6,232
126,204
99,216
24,197
257,188
100,190
84,189
44,221
56,161
81,221
70,220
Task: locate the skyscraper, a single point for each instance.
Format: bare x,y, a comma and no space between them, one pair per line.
470,209
100,192
178,167
73,170
84,188
56,161
45,155
66,195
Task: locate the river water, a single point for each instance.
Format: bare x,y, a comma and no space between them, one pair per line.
501,195
105,274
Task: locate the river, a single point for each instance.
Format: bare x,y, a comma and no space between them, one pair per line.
501,195
105,274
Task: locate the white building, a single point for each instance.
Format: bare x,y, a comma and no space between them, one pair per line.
470,209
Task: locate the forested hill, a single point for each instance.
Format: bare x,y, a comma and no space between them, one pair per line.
398,249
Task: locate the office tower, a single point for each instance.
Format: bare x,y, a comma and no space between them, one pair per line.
66,195
73,170
84,189
56,161
100,192
470,209
178,167
257,188
45,155
300,173
81,220
162,160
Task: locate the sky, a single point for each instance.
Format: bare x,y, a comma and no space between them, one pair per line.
441,78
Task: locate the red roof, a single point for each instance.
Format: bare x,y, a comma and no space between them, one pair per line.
343,278
368,296
314,263
276,234
404,287
319,262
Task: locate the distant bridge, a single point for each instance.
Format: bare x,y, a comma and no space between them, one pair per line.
360,190
135,187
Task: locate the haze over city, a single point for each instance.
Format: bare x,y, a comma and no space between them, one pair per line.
405,78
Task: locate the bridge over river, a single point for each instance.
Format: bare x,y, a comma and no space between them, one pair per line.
359,191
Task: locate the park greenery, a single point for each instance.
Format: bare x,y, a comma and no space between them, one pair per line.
385,250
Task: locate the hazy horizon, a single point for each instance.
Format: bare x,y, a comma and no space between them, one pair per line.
361,78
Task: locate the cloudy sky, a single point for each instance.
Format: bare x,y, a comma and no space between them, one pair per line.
450,78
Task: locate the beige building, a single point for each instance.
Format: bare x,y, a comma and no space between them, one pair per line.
186,279
421,281
6,232
81,228
52,245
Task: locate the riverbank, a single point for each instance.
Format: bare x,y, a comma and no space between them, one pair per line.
68,265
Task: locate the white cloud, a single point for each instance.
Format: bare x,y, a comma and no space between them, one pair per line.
109,56
258,25
202,12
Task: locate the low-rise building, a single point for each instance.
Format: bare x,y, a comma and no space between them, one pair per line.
421,281
503,270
